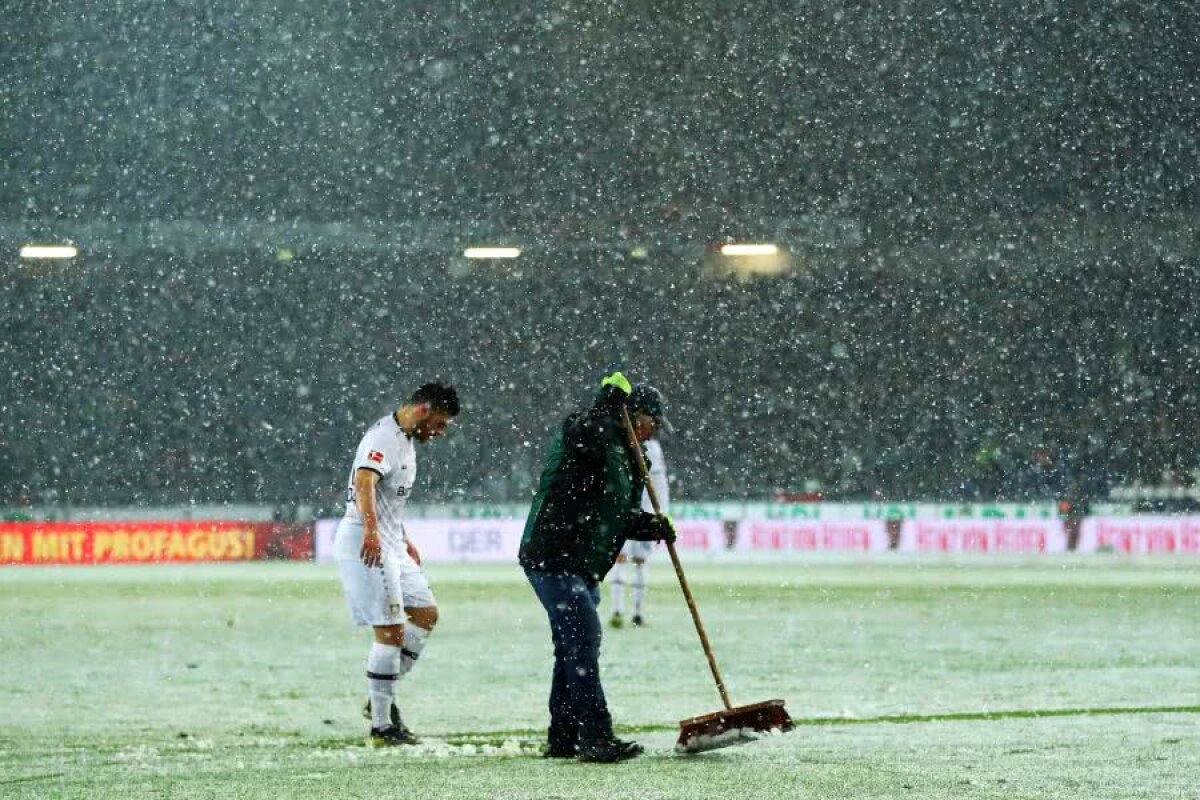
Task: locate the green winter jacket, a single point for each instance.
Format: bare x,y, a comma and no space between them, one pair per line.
589,497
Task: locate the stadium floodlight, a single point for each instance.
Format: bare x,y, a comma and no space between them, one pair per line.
745,261
49,251
492,252
749,250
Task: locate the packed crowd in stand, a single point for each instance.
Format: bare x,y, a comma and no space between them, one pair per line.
961,372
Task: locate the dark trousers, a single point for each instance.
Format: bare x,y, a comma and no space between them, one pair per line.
578,711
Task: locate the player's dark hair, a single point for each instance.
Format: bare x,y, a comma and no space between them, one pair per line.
439,396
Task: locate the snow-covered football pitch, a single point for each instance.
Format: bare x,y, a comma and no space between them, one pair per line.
1056,677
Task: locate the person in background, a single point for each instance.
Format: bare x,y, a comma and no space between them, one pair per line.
649,400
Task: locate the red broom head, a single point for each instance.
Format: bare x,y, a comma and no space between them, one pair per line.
732,726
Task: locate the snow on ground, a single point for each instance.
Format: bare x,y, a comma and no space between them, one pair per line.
1055,678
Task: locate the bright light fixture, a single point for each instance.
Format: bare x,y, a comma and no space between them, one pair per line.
492,252
749,250
49,251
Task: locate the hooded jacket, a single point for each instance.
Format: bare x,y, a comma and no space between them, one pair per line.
588,500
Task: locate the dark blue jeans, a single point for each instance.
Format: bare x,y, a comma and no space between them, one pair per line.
578,711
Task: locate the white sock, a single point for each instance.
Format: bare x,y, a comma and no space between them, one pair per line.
639,588
383,668
616,584
414,643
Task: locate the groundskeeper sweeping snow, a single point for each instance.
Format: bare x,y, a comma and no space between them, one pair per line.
588,503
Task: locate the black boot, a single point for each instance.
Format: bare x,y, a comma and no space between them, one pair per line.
609,751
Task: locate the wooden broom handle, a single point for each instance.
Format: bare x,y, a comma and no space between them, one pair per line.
636,448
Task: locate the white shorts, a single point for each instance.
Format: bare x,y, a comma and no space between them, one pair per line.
378,595
634,549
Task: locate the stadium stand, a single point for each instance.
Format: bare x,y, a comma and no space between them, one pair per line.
991,213
1006,374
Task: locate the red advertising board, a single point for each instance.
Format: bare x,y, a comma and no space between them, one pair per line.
1140,534
150,542
811,536
982,536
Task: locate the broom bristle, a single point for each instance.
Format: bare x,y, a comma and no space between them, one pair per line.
732,726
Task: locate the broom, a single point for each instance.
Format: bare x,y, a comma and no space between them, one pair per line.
732,725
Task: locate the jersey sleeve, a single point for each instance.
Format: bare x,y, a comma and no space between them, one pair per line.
374,453
658,478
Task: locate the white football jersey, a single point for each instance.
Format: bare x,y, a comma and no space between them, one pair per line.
387,450
658,477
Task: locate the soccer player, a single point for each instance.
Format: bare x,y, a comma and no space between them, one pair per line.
634,552
588,502
381,569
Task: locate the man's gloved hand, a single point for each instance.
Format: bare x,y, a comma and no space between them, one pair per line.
654,528
614,393
618,382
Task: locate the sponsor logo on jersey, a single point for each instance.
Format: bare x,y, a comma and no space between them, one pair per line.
375,456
